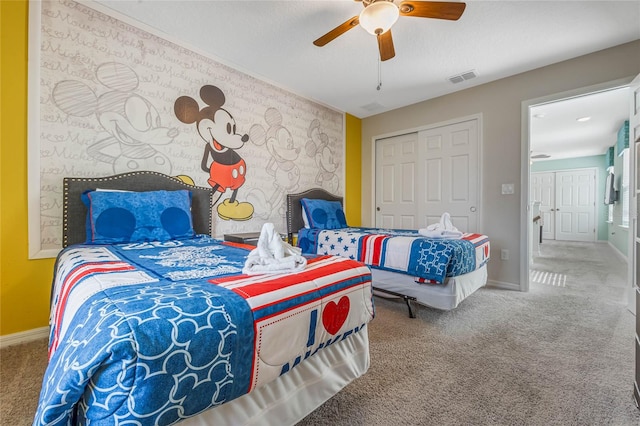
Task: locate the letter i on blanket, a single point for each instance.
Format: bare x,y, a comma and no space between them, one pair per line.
272,255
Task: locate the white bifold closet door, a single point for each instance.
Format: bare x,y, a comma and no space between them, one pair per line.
421,175
568,204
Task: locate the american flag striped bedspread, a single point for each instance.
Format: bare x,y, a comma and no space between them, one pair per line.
429,260
153,333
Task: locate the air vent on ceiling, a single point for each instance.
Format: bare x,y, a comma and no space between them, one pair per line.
468,75
373,106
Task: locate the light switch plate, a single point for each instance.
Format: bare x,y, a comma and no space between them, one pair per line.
507,188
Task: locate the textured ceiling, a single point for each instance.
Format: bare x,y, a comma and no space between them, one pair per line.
272,40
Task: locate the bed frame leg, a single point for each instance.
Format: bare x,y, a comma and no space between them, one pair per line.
408,302
407,299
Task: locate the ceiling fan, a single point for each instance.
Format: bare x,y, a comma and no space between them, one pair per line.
378,16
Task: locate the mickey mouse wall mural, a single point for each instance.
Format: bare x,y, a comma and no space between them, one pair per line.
281,166
130,123
217,127
317,147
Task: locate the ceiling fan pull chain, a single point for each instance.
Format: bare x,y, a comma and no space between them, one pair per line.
379,74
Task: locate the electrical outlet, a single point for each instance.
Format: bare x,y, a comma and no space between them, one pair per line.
504,254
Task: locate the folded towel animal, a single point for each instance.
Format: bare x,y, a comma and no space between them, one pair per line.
272,255
443,229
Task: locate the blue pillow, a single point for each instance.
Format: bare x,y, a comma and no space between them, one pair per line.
323,214
123,216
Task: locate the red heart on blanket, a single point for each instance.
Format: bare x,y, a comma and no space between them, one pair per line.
335,314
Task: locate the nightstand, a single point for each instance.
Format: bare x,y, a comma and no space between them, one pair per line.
250,238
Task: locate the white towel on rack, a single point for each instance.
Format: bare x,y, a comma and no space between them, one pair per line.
272,255
442,229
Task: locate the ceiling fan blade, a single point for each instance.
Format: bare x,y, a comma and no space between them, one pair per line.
385,45
432,9
337,31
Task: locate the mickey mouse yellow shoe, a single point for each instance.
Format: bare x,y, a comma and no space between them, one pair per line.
228,210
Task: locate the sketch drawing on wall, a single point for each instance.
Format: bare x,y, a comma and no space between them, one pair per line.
317,147
131,123
106,96
281,166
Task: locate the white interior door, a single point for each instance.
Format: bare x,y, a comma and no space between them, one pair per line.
543,189
396,168
575,205
449,175
419,176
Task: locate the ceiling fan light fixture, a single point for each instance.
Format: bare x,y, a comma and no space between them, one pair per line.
379,17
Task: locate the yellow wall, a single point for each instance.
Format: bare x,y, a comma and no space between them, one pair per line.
353,170
25,284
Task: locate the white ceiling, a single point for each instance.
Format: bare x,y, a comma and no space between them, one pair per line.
556,131
272,40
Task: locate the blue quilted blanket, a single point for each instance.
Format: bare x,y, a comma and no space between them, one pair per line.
141,334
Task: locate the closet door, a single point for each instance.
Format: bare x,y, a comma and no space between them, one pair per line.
419,176
450,175
396,168
568,207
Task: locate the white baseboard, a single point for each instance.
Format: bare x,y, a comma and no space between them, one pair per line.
23,337
503,285
618,252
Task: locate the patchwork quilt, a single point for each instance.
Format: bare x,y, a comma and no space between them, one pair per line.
152,333
429,260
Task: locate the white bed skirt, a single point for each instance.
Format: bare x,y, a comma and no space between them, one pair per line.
291,397
445,297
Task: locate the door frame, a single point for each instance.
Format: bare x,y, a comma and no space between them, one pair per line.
525,166
477,117
634,187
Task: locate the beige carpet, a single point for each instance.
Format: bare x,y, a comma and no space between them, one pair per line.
21,371
558,355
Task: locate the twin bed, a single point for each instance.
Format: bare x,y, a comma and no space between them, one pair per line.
438,273
153,322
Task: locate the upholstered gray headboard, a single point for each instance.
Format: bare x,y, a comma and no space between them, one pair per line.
294,208
75,212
